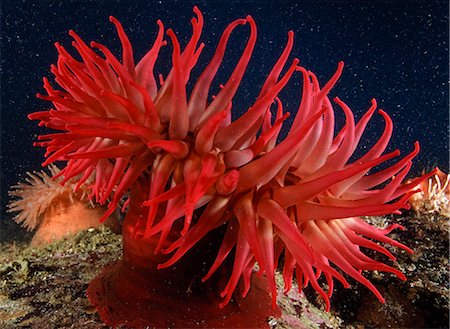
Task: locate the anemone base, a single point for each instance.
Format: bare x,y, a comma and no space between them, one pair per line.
136,298
134,293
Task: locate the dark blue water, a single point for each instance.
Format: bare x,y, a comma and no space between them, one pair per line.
394,51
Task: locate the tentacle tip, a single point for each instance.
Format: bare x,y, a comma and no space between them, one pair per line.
397,226
170,33
295,62
166,251
250,19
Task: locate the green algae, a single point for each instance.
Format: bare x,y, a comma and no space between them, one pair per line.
44,287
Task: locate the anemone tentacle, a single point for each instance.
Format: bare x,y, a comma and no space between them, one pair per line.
300,198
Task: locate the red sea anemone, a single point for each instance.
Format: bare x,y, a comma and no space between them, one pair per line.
209,197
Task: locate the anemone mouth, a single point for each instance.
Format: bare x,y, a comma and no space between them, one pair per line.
116,121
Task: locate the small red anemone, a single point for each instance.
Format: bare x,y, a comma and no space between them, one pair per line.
204,185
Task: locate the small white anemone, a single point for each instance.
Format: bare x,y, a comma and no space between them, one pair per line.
37,193
434,195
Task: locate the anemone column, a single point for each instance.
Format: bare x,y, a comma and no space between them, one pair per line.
133,292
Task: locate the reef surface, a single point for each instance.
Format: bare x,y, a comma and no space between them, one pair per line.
45,287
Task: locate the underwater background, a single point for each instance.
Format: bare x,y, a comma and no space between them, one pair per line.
394,51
